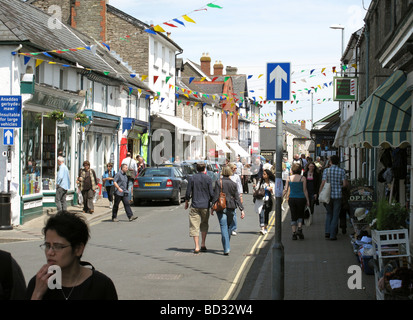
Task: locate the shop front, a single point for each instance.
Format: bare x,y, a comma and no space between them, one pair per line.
44,137
137,136
99,141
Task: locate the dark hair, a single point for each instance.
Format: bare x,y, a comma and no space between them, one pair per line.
70,226
270,174
335,159
200,166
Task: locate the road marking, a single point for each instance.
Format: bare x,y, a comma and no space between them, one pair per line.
259,241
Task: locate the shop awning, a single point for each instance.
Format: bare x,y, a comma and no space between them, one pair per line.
341,139
219,143
238,150
384,119
181,125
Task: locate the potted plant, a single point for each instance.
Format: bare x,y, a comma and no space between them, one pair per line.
388,216
56,115
81,118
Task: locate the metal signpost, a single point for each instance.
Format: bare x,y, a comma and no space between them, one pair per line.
278,89
10,119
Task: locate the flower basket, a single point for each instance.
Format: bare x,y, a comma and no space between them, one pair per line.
81,118
56,115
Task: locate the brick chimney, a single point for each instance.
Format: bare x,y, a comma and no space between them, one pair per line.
218,68
89,17
206,64
231,70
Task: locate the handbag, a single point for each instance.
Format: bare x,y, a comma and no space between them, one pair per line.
259,193
221,203
324,196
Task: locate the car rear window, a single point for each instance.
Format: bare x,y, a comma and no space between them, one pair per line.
156,172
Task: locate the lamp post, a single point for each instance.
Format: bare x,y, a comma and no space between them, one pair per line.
341,103
339,27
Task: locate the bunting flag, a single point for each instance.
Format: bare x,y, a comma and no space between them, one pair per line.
170,23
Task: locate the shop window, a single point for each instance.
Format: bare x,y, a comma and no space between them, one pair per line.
64,146
31,153
49,154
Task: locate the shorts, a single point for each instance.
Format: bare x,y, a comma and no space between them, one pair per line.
198,221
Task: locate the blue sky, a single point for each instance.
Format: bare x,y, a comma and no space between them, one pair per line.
248,34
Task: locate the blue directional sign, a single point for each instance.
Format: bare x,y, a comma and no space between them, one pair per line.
10,111
8,137
278,81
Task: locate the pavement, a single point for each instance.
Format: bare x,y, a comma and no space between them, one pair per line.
314,268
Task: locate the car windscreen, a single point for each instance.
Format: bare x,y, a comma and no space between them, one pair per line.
156,172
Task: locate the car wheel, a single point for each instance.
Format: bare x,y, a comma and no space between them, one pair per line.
177,200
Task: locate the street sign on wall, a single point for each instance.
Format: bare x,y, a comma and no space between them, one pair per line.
10,111
278,82
345,88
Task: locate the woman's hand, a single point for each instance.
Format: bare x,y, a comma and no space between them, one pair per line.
41,285
242,214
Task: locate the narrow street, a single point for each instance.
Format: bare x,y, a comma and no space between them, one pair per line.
152,258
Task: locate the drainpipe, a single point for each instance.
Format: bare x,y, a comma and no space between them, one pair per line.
367,79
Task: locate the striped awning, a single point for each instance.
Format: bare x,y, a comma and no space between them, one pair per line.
384,119
341,139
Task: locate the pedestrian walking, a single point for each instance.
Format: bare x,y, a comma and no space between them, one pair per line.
131,173
337,179
62,184
122,194
239,165
246,175
141,164
256,171
225,217
237,179
107,180
65,237
298,198
200,190
87,184
263,205
312,174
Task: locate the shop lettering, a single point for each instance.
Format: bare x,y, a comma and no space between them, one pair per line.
361,198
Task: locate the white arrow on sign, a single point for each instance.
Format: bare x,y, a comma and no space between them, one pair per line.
278,74
9,135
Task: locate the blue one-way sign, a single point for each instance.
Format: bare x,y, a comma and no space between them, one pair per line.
8,137
278,81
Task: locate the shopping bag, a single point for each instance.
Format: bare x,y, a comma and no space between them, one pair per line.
79,197
308,217
96,197
324,195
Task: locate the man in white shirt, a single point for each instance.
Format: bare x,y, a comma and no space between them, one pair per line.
267,165
131,173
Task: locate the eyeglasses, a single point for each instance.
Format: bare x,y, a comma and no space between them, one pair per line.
55,247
